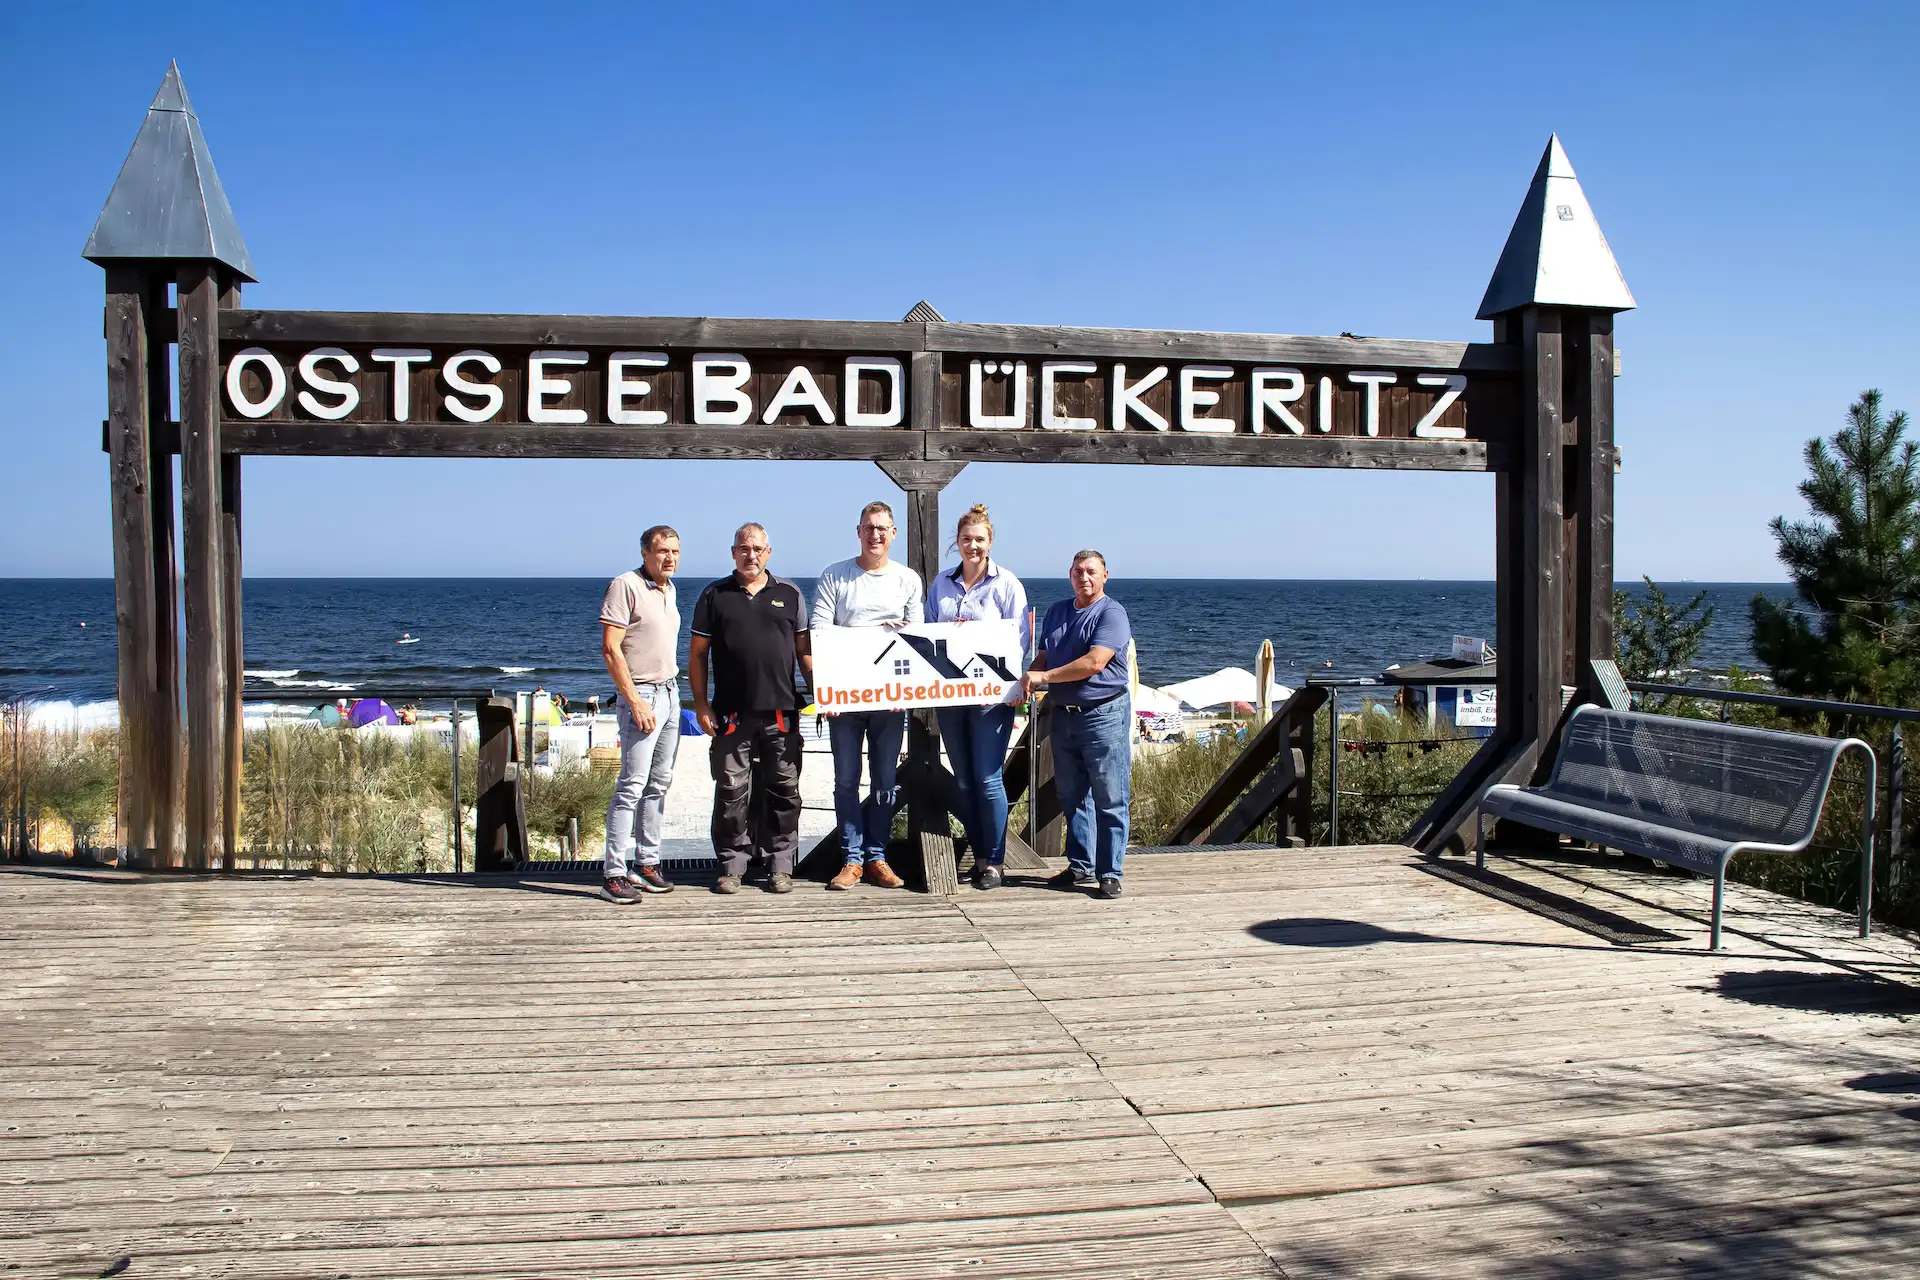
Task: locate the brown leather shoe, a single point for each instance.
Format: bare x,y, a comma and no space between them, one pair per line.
848,877
878,872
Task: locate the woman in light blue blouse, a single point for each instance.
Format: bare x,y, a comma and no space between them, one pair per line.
976,737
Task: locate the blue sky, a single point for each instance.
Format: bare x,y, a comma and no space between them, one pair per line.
1270,167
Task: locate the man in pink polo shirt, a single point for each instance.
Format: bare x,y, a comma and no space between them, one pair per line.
639,635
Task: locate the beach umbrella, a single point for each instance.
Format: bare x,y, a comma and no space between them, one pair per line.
372,711
690,725
1148,700
1229,684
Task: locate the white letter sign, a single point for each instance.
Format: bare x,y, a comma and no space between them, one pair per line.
276,383
719,379
1271,391
492,396
540,386
887,367
1128,397
1373,381
1192,399
620,388
311,375
980,421
1426,428
402,359
799,391
1050,411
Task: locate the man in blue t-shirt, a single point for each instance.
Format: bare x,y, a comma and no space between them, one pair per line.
1081,660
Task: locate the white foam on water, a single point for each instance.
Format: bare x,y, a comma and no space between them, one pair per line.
274,675
515,671
71,716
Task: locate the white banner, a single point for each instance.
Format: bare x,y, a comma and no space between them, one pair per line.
935,664
1477,708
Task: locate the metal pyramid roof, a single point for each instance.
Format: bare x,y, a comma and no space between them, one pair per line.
1556,254
167,202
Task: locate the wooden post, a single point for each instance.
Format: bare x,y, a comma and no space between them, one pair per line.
199,289
499,811
129,451
164,744
1531,562
234,650
928,784
1590,474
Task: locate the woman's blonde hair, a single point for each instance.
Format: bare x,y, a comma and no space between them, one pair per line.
975,514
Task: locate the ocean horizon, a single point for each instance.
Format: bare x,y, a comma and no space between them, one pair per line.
312,639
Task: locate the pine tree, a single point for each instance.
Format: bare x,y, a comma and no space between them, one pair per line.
1855,566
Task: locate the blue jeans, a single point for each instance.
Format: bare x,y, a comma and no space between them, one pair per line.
1093,775
866,828
635,815
976,743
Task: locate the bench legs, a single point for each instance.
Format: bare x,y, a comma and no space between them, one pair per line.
1719,899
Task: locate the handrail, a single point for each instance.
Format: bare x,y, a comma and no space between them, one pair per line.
1777,700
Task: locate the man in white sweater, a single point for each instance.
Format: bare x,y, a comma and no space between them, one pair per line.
869,590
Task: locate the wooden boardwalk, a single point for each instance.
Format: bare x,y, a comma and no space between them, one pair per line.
1326,1062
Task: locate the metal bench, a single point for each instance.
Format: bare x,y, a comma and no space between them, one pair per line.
1690,793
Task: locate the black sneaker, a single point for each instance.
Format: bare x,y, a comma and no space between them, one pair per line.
1110,887
1069,879
651,880
986,877
620,891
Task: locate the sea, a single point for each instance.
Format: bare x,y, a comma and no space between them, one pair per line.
317,639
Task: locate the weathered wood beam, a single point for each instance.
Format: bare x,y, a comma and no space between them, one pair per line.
594,440
344,328
458,440
127,329
199,288
1185,345
713,333
1591,473
232,644
166,762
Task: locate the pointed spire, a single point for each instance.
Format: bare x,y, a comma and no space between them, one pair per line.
167,202
1556,254
923,313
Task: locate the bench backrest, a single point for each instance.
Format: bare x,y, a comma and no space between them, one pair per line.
1727,781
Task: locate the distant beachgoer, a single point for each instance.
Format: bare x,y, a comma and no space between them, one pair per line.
977,589
869,590
1082,662
749,629
639,631
408,713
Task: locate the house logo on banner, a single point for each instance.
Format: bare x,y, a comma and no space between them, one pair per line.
941,664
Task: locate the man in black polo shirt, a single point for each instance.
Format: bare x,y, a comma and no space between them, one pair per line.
750,627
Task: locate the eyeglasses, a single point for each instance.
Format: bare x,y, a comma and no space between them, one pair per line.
876,528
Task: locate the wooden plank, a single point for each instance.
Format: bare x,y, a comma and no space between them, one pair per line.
199,286
1187,449
127,437
593,440
397,328
232,643
165,752
716,334
1593,481
1190,345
